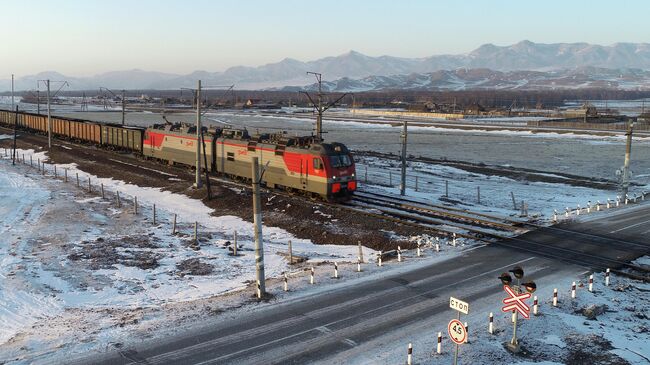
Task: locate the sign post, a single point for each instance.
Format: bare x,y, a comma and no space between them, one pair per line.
456,329
515,302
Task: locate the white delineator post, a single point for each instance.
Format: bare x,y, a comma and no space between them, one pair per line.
419,251
566,212
358,264
555,297
607,277
453,242
573,290
311,276
360,251
535,305
439,346
399,254
591,283
409,356
379,258
491,324
336,271
598,205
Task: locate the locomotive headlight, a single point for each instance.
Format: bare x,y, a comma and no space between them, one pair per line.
353,174
334,177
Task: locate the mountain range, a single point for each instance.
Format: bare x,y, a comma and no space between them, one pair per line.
504,62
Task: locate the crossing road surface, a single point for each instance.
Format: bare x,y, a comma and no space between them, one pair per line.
351,321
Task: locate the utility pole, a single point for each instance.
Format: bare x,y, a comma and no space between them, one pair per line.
626,166
257,221
12,92
123,101
123,109
13,155
49,117
318,105
198,136
402,186
49,109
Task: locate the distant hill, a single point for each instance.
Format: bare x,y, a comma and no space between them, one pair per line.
482,78
522,56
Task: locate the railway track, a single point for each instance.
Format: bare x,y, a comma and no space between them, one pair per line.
444,213
483,228
574,256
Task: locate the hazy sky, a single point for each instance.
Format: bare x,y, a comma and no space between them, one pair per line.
86,37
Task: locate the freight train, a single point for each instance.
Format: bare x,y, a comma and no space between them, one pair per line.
297,164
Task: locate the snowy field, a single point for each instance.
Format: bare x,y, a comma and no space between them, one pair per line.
102,275
79,273
610,325
65,249
541,198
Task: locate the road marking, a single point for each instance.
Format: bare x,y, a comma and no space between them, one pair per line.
634,225
277,340
324,329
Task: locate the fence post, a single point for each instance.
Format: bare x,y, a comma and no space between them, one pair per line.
135,205
89,186
65,173
196,233
174,225
290,253
416,183
119,203
102,187
154,210
77,179
446,188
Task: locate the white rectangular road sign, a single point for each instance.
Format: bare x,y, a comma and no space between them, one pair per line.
458,305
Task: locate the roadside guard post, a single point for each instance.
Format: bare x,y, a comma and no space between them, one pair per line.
456,328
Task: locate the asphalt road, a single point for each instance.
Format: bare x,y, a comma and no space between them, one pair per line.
347,322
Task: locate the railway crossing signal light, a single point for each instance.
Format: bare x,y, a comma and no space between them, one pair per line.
516,300
506,279
530,286
518,272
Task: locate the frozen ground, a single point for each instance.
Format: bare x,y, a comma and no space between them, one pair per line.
495,191
608,326
79,273
102,276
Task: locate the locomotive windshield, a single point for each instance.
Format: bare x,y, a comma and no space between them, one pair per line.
338,161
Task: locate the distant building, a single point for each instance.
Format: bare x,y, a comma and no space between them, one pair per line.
260,104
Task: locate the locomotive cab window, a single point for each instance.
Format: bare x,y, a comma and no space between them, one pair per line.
318,164
231,156
338,161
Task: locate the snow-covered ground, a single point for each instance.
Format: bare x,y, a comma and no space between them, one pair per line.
77,273
617,333
73,264
495,191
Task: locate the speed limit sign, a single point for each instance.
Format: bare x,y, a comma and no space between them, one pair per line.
457,331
